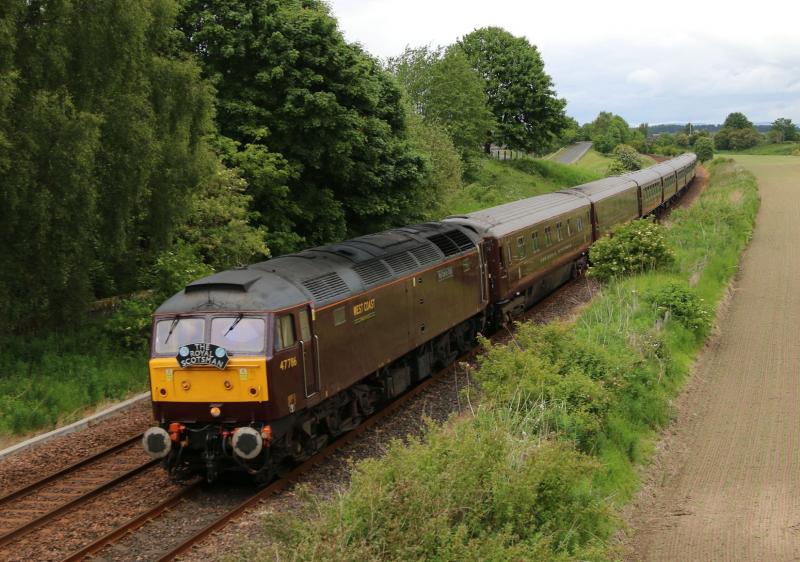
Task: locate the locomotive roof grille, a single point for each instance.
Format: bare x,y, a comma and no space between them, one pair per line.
426,254
445,244
326,286
462,240
401,262
372,272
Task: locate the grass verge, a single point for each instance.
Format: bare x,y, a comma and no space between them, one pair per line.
54,379
496,182
566,413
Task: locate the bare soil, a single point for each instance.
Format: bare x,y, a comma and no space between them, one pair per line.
725,482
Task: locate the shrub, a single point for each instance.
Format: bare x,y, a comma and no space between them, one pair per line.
679,301
625,159
704,148
634,247
174,269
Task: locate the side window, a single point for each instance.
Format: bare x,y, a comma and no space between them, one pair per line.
520,247
305,327
535,238
548,235
569,227
339,316
579,223
284,332
559,234
508,252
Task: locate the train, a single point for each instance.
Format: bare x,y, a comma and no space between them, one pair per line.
256,368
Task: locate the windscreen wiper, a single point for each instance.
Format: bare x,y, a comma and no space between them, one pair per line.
172,328
238,318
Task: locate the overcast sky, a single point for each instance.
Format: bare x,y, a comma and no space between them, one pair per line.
683,61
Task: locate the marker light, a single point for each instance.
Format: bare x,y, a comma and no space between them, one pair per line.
215,411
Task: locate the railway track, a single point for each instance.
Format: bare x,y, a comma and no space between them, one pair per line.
30,507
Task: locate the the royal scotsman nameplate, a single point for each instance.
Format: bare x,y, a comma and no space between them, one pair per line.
202,354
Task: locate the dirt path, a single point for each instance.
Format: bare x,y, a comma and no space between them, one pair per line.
726,482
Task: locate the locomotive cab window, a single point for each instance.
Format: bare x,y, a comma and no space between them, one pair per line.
175,332
234,333
284,332
305,326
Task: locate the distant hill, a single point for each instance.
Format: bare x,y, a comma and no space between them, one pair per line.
679,127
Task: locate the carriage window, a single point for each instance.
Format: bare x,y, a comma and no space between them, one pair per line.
535,238
520,247
548,236
284,332
238,334
508,252
559,235
579,223
569,228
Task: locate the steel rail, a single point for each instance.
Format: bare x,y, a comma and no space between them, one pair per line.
126,528
42,519
30,488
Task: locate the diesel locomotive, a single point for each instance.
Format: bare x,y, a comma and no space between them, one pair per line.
256,368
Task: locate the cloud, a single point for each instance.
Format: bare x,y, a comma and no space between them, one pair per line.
689,61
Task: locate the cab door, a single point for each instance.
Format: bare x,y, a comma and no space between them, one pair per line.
309,351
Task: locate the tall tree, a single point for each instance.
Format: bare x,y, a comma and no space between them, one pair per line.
737,120
107,126
324,116
607,131
783,130
445,90
520,93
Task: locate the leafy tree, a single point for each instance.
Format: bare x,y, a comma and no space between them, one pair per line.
607,131
520,93
445,90
322,115
682,140
106,121
737,120
783,130
704,148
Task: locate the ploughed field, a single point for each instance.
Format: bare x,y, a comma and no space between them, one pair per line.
727,485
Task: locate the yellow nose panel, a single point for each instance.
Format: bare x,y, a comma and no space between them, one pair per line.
243,380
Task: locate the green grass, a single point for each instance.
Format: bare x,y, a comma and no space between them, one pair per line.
496,182
778,149
547,455
51,379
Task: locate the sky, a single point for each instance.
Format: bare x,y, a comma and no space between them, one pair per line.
662,62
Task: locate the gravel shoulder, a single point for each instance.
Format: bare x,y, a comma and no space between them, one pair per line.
725,481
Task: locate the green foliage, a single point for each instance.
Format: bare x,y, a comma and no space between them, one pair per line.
443,171
607,131
737,133
635,247
737,120
783,130
174,269
106,126
625,159
131,321
322,114
447,92
497,182
527,112
55,376
704,148
479,489
677,300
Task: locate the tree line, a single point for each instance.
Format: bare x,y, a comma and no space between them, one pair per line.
146,142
